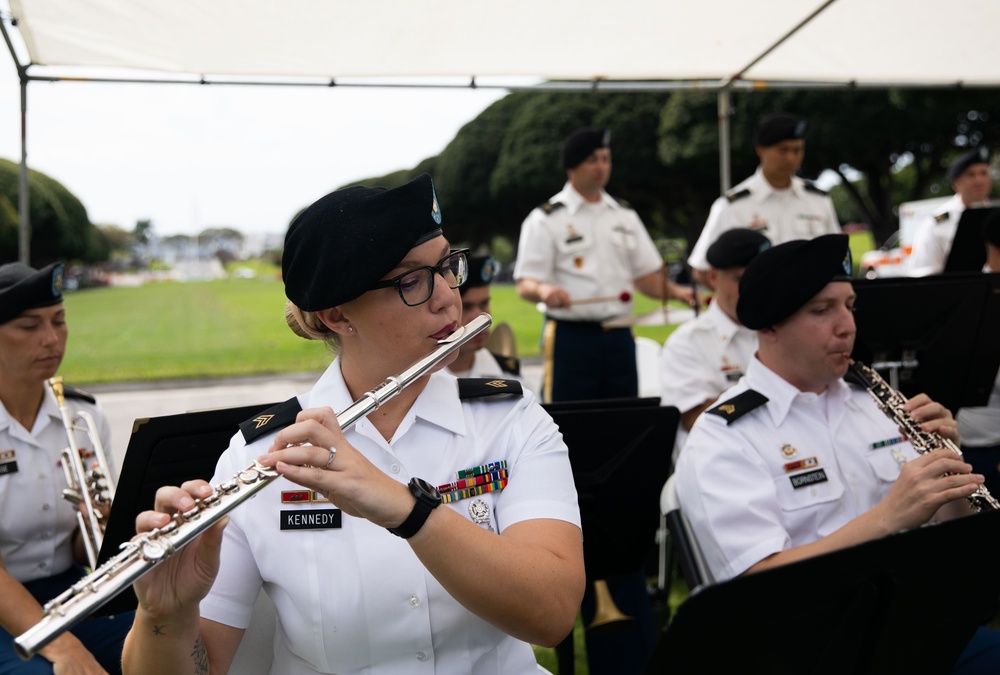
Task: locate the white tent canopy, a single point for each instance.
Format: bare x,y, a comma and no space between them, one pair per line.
625,44
856,41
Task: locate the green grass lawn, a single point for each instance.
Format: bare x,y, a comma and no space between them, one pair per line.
223,328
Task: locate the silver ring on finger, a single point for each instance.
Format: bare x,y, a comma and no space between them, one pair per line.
329,461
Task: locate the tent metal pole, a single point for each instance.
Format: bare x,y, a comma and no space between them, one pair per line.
24,226
23,203
725,170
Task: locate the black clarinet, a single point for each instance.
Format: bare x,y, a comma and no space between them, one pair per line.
891,403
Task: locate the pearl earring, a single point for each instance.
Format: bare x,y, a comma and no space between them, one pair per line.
350,329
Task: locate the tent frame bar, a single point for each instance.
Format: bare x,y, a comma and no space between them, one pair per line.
724,89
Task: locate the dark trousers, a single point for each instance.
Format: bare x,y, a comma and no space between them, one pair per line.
586,362
103,637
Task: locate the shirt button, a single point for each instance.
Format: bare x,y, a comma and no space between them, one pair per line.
414,601
45,507
394,468
421,656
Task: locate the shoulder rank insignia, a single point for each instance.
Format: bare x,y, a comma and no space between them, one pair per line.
73,392
549,207
941,217
274,418
479,387
508,364
810,187
738,406
624,204
732,197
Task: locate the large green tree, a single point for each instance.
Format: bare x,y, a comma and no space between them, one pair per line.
60,228
893,144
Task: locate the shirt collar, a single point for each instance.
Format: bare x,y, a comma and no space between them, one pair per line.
781,394
574,201
724,326
762,189
438,403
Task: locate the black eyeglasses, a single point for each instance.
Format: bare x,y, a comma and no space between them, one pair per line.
416,286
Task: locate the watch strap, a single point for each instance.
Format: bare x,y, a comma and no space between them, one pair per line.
418,516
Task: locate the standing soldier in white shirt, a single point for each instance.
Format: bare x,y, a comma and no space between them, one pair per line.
581,254
774,200
970,178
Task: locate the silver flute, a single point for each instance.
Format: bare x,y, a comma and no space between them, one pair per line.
891,403
145,552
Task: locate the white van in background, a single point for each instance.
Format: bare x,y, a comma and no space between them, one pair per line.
892,259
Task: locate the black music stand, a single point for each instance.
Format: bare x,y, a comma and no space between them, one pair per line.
936,334
621,457
908,603
968,250
558,407
166,450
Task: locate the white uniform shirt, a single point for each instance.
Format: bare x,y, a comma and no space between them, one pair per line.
703,358
484,364
933,238
736,483
780,215
36,523
591,250
356,599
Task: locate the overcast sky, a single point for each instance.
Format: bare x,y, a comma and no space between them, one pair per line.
189,157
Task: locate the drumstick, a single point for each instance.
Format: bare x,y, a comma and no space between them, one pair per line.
624,296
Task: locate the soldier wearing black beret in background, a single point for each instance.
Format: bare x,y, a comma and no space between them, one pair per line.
580,245
794,462
474,358
704,357
373,569
774,200
41,548
969,176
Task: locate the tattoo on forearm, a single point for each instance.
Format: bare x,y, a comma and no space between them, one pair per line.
200,657
159,630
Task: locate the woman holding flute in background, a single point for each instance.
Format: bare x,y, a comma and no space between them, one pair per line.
371,567
41,545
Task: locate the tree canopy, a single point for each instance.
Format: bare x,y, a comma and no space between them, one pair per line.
60,228
893,144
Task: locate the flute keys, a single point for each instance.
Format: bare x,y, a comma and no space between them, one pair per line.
154,550
249,476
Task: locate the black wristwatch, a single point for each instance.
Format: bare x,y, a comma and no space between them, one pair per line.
428,499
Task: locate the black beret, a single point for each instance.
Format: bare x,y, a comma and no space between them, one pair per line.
580,144
23,287
782,279
991,229
481,271
779,127
736,248
344,243
980,155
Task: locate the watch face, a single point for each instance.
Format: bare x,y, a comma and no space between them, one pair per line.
425,488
